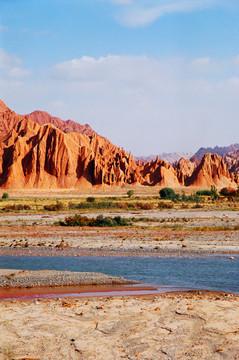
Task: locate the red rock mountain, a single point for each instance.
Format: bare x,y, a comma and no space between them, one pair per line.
68,126
232,161
40,151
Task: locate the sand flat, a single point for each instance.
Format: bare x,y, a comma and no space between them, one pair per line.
173,326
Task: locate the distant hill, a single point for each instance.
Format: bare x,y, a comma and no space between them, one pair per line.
219,150
169,157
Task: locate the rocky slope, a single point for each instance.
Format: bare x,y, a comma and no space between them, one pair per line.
42,118
38,154
34,156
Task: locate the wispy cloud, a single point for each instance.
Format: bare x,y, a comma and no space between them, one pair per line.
11,66
141,12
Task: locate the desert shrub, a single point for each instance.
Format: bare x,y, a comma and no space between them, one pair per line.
197,206
167,193
165,205
228,192
105,205
54,207
84,205
184,206
5,196
122,205
99,221
204,193
144,206
130,193
212,193
96,205
90,199
193,198
15,207
71,205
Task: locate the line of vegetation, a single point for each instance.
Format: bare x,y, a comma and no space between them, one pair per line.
169,194
54,207
15,207
112,205
99,221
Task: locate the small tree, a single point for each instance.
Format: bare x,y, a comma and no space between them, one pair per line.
5,196
90,199
130,193
167,193
214,193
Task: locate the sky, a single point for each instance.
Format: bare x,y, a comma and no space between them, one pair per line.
152,76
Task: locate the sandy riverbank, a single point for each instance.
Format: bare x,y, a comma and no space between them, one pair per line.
26,279
185,326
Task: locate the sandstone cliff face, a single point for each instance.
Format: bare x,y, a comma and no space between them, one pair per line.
211,171
34,156
8,119
159,172
232,161
37,154
184,170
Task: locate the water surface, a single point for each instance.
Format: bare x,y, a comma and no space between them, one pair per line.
207,272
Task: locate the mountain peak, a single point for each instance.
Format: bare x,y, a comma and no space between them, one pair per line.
3,106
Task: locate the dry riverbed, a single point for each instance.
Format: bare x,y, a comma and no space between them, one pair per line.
179,232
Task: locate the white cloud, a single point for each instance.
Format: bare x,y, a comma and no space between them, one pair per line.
142,12
145,105
11,66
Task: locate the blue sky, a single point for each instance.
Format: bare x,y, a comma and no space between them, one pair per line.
152,76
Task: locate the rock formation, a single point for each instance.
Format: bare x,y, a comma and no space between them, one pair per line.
159,172
231,159
68,126
35,156
40,151
184,170
211,171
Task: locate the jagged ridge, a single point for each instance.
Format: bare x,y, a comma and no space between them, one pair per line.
37,154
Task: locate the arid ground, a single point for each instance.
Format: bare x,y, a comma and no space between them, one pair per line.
186,325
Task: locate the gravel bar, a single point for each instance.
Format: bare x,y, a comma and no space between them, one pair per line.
29,279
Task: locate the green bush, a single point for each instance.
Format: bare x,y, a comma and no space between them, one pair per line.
5,195
212,193
130,193
204,193
90,199
99,221
168,194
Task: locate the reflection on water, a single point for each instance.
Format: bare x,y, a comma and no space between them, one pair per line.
208,272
